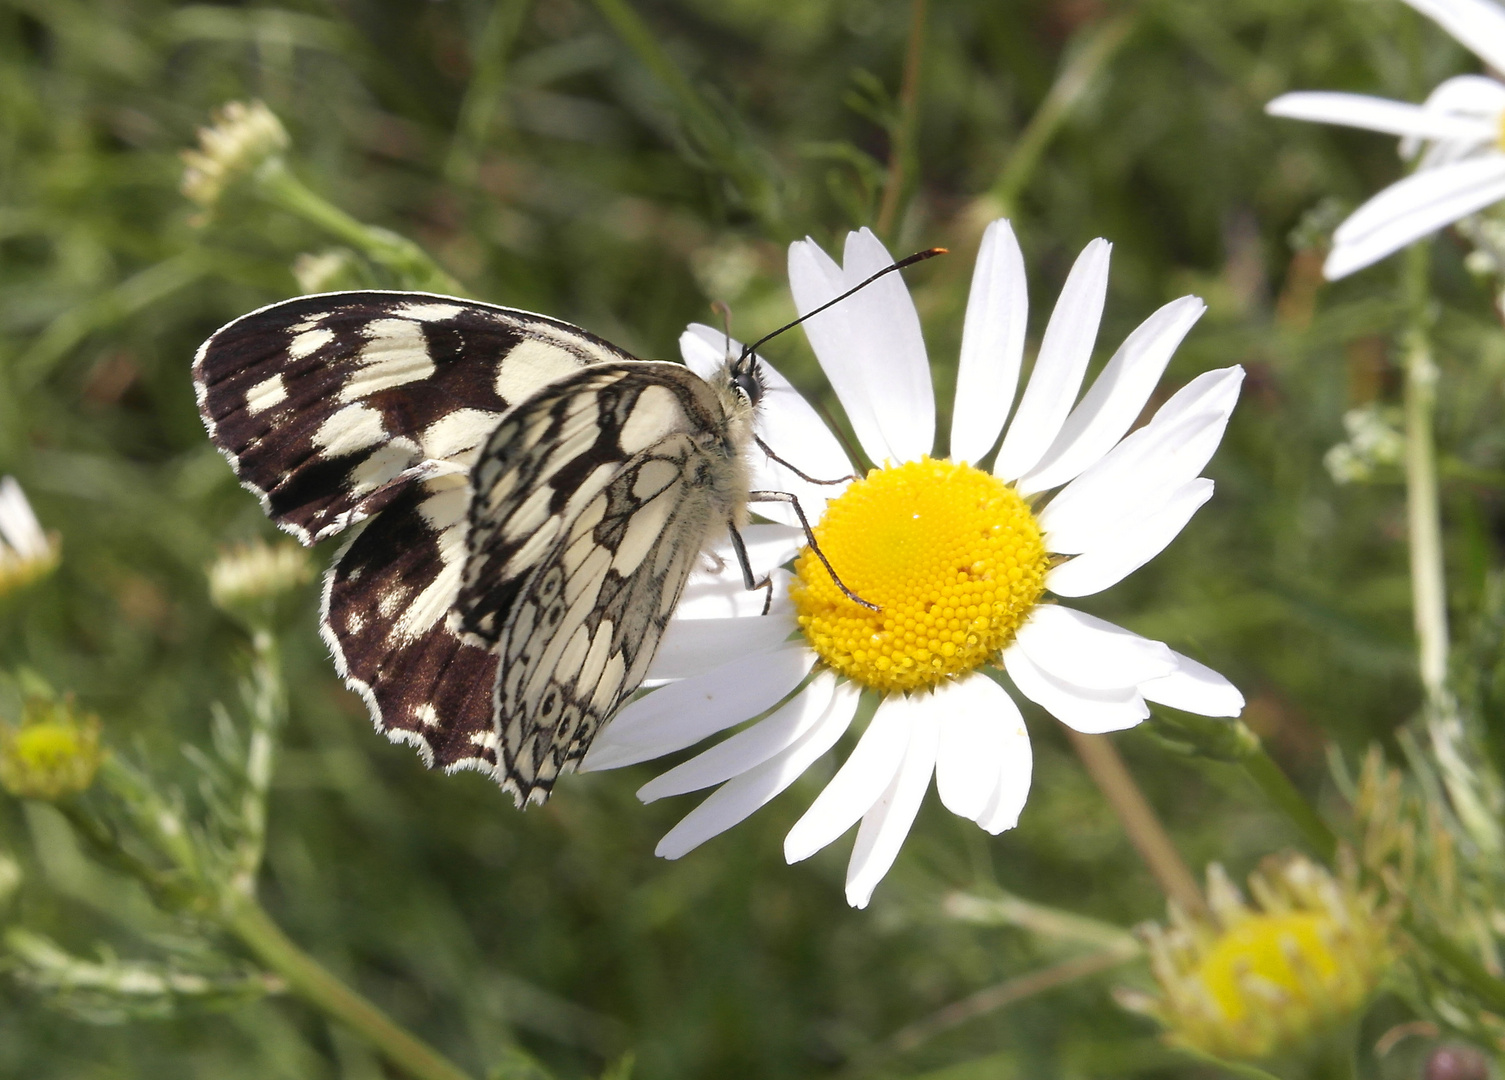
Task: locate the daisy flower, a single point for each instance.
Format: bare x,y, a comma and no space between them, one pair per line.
960,560
1457,137
26,552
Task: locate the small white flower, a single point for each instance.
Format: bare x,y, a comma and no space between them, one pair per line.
26,552
958,559
1457,136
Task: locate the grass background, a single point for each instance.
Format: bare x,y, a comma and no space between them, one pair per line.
551,162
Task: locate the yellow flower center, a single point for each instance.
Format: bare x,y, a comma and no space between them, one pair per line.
1290,952
952,557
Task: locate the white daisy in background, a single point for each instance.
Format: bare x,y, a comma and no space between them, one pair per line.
26,552
1457,136
959,560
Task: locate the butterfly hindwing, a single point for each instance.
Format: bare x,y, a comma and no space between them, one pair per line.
592,501
385,604
328,406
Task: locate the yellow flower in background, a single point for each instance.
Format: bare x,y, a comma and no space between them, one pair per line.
1261,980
26,552
54,752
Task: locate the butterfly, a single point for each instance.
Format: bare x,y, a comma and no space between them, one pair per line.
527,502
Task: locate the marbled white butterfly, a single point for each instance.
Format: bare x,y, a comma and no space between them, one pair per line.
531,500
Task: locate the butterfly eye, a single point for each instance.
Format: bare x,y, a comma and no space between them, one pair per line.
750,383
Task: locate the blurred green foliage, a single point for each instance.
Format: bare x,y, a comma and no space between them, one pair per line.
621,167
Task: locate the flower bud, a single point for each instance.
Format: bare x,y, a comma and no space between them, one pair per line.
241,138
247,580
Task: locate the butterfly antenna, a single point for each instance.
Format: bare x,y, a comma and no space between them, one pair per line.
919,256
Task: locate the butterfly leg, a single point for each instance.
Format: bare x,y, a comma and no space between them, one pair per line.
747,571
799,512
802,475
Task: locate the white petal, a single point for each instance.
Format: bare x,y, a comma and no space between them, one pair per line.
682,713
885,826
1377,114
815,278
1467,97
1016,765
706,350
896,365
18,524
1109,563
977,721
1064,353
1117,396
1411,208
723,595
1087,651
1089,711
734,800
1136,477
1478,25
1195,688
768,546
857,784
869,347
692,647
1473,97
992,344
748,748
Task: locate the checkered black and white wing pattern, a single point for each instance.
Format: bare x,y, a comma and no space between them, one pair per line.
592,502
328,406
333,407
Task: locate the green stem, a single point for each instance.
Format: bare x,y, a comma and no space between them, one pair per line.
267,699
411,265
1445,727
1071,85
1423,512
318,986
486,92
1278,788
901,152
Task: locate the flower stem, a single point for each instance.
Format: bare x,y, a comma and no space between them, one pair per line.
1445,728
318,986
1099,45
1423,514
1139,820
408,262
1277,787
901,148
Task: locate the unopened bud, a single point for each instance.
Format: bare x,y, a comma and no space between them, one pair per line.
242,136
247,579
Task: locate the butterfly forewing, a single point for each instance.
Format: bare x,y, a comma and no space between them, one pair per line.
328,406
592,501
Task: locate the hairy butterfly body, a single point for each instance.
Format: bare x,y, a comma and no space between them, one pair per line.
530,500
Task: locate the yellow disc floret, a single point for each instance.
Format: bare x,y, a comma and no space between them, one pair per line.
951,556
